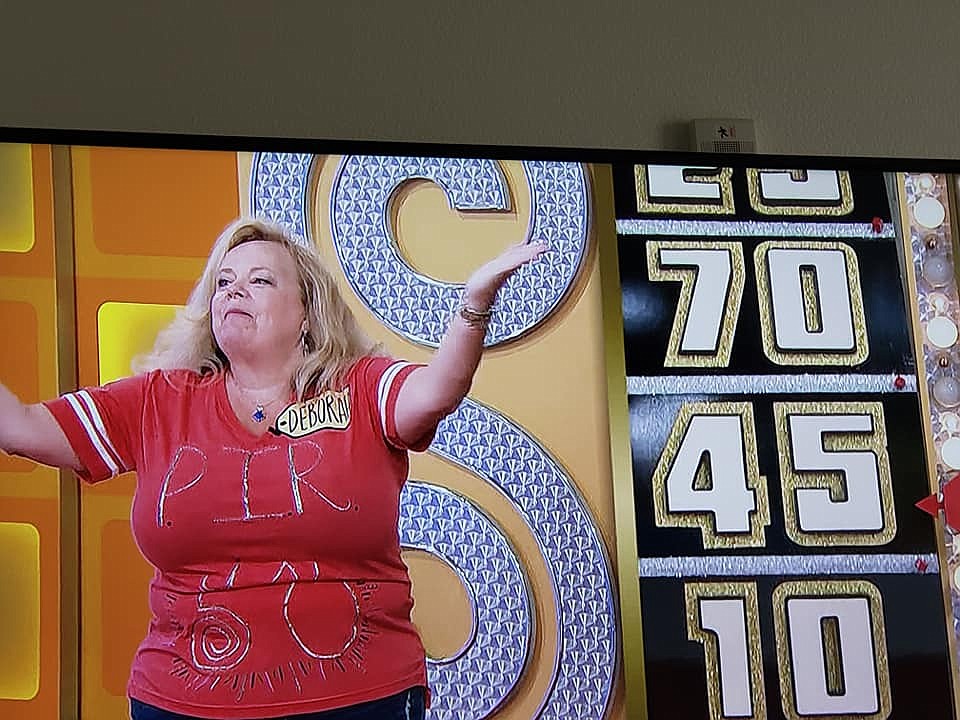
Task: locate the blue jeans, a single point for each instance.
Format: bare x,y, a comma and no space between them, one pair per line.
407,705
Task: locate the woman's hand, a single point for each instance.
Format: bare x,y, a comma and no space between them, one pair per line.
481,289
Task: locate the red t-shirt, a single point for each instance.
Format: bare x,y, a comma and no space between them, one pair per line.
279,586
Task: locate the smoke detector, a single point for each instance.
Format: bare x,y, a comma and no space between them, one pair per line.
723,135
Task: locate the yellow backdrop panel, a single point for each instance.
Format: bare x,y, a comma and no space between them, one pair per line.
16,198
20,611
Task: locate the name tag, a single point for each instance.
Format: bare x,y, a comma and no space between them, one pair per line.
328,411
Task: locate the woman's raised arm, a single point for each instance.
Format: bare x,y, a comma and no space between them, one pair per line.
30,431
434,391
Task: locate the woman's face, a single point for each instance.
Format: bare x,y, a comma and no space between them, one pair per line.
256,310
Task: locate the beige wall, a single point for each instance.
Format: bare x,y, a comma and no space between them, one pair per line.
825,78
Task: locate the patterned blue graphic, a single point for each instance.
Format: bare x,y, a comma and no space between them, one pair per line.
446,525
418,307
479,677
278,190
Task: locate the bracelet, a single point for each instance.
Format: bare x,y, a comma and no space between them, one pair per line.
476,319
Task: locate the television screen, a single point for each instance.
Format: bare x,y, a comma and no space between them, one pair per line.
683,483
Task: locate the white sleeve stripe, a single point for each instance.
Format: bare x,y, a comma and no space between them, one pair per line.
92,433
383,392
94,414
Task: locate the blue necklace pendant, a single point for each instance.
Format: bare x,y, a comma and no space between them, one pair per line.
258,414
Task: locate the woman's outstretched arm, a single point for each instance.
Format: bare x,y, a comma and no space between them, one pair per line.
434,391
30,431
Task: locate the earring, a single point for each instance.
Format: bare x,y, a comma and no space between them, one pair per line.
303,342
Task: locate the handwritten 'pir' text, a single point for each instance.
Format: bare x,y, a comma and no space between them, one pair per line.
190,464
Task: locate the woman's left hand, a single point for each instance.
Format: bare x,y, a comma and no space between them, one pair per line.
481,289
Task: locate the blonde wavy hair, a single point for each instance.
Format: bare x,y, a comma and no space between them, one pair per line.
333,341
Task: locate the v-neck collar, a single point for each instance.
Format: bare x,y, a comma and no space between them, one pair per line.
233,422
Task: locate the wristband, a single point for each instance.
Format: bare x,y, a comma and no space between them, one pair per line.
476,319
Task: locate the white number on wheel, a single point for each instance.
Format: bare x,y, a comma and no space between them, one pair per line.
707,476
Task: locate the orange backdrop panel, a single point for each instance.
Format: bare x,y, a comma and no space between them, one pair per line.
29,494
152,203
144,223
